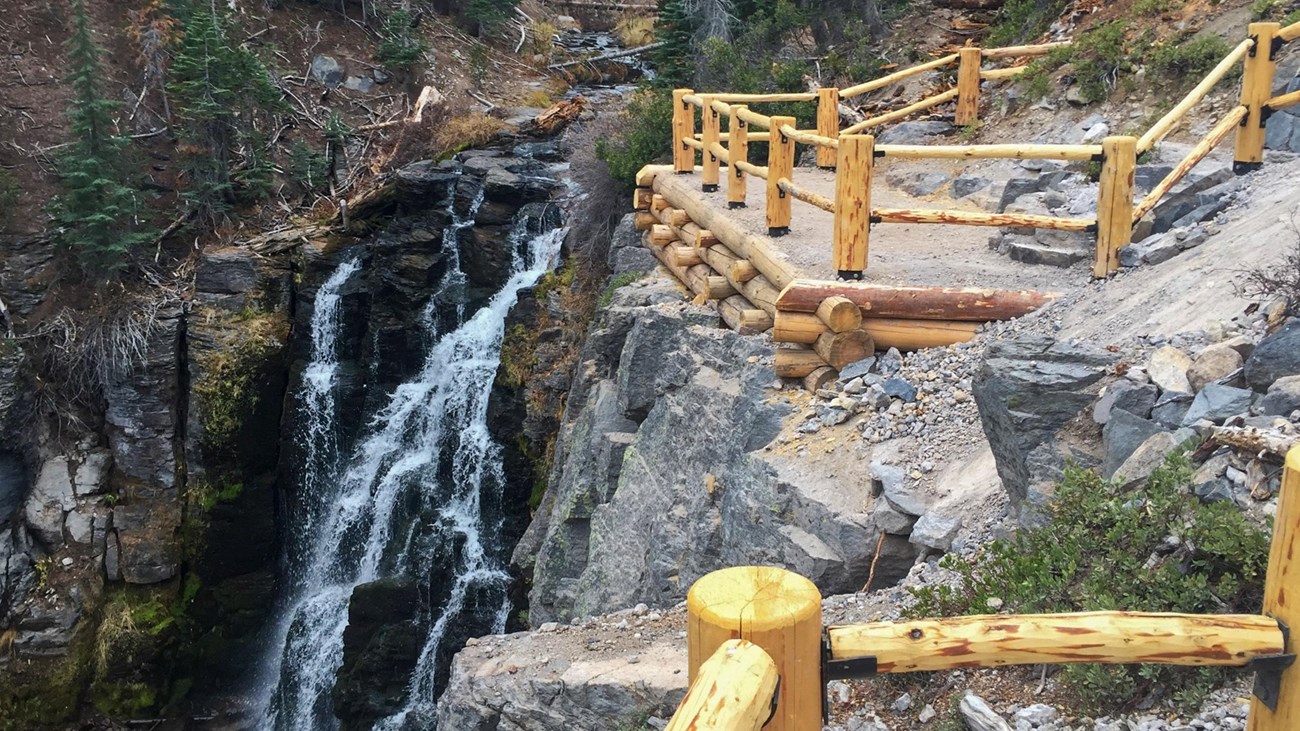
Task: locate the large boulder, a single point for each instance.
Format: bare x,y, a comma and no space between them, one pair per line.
1123,435
1027,389
1216,362
1276,356
381,647
1218,403
1283,397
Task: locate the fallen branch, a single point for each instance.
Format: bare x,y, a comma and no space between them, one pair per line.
1256,441
427,94
606,57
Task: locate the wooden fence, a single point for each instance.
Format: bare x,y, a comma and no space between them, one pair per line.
852,150
759,657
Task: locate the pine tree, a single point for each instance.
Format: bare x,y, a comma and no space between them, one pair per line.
675,60
98,216
221,93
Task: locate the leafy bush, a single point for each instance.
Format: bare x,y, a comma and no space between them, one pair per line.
1099,56
1153,7
1185,62
1280,280
401,46
1150,548
1024,19
644,136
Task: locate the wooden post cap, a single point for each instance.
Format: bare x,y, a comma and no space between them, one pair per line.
756,598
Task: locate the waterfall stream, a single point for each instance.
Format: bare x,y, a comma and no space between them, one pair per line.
419,492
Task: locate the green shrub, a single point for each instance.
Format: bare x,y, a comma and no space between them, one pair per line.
401,47
1152,548
1185,62
1099,57
1153,7
1020,20
644,137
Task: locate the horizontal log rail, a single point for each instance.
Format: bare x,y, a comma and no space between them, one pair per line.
971,218
761,136
752,117
807,196
981,152
1166,123
758,171
694,100
733,691
692,142
720,152
1009,73
1283,101
1194,156
884,81
1232,640
966,304
719,106
1041,49
809,138
1289,33
810,96
897,114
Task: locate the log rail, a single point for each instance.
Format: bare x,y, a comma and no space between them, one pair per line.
753,638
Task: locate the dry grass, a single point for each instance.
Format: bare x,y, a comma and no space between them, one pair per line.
635,30
537,98
462,133
541,37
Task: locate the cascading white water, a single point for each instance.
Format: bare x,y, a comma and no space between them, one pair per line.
410,493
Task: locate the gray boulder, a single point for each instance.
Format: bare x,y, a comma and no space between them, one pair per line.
891,520
1218,403
1170,409
626,253
913,133
1153,452
1135,398
1276,356
1283,397
327,70
51,497
889,481
1027,389
1283,130
965,185
1122,436
934,531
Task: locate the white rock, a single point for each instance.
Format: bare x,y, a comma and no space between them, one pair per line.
1168,369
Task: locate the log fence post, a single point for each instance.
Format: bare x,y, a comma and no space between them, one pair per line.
683,129
711,136
1114,202
968,86
852,230
1281,684
1256,88
780,164
779,611
738,149
828,124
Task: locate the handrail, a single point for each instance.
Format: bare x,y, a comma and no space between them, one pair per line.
697,144
1041,49
803,96
719,106
754,118
720,152
972,218
985,152
1289,33
1175,115
694,99
733,690
883,81
926,103
1283,100
758,171
1230,640
807,196
809,138
1197,153
1007,73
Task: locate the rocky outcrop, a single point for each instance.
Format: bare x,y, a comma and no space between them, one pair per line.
661,475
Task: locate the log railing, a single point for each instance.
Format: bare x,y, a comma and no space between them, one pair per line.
1116,213
757,649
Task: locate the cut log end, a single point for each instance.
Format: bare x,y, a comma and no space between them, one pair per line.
840,314
820,378
841,349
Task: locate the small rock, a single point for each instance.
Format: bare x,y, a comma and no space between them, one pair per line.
926,714
1168,369
1283,397
327,70
1212,364
549,627
899,388
902,703
889,481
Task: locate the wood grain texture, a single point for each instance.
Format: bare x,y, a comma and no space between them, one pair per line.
841,349
775,609
780,164
927,303
850,238
1282,599
1284,100
840,314
1290,33
828,123
969,218
741,316
823,377
987,152
797,362
904,334
968,86
1041,49
732,691
683,129
712,127
807,196
1171,119
1193,157
1256,88
738,149
1089,637
1114,203
884,81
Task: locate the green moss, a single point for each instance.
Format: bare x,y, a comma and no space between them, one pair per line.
1152,547
124,700
614,285
228,389
40,693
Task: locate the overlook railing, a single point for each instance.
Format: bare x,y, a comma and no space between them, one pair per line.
759,657
852,154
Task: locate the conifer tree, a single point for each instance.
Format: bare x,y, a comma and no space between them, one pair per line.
98,215
675,27
224,100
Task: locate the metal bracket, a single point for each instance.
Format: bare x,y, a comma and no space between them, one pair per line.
1099,157
854,668
776,697
875,219
1268,671
735,204
710,187
1245,119
1092,228
1254,47
1275,47
1264,114
777,231
849,275
877,152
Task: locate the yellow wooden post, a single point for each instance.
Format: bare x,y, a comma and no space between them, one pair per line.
712,135
828,123
1256,88
1114,202
738,148
1283,577
853,205
775,609
683,129
968,86
780,164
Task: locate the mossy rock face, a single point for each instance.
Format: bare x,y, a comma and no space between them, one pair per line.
39,693
140,650
231,373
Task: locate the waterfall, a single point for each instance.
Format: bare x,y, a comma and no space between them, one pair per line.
409,497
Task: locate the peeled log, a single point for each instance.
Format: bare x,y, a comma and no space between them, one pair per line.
644,220
930,303
641,199
703,280
741,316
733,689
841,349
661,235
797,362
686,256
800,327
743,271
840,314
820,378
